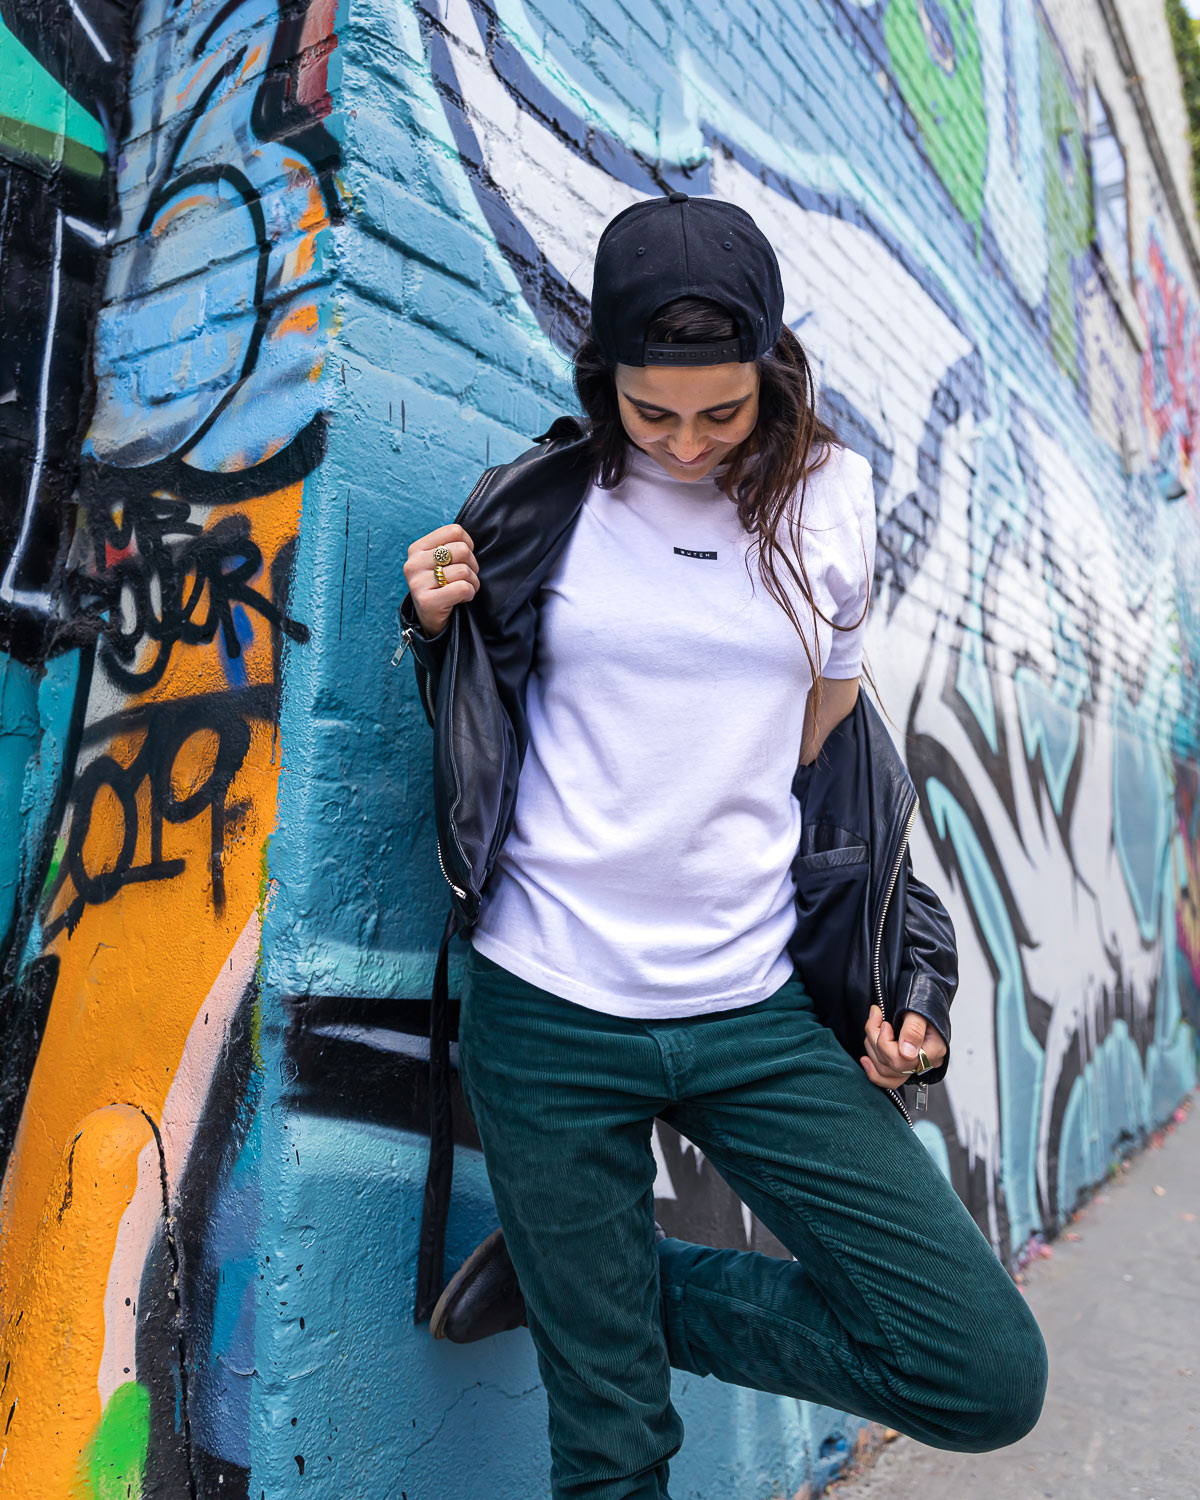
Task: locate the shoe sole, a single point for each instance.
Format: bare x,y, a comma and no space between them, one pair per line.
441,1308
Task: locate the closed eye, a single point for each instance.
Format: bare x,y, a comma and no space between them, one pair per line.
662,417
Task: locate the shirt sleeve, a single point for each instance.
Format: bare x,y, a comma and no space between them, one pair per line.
853,570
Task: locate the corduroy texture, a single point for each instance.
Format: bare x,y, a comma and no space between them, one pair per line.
895,1307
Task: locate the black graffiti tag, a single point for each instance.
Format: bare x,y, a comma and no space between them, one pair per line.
172,581
224,721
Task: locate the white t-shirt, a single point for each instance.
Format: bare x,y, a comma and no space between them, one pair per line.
647,872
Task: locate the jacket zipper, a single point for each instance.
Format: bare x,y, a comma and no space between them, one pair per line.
406,636
425,693
457,889
922,1088
480,485
423,678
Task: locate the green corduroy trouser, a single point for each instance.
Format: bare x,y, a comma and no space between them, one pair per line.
895,1307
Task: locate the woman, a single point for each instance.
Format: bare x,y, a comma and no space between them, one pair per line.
629,959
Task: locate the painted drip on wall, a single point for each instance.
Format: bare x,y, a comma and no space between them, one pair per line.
226,901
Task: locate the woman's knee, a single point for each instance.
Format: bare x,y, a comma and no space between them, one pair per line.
1003,1397
1023,1372
974,1388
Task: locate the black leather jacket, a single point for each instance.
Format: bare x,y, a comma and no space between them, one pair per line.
867,930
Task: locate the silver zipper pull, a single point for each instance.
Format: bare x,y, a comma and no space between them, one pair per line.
922,1096
406,636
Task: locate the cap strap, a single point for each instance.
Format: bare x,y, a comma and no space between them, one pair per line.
693,354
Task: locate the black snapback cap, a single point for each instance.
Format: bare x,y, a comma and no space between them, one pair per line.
680,246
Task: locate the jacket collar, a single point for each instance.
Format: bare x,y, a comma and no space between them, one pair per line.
519,519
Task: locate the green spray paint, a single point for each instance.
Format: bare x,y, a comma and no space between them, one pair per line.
56,859
1068,200
115,1461
39,119
934,50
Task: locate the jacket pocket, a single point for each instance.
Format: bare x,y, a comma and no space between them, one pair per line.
832,859
821,837
830,939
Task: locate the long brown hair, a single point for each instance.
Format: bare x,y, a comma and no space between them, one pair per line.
788,442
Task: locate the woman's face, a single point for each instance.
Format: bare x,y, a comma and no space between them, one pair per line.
688,419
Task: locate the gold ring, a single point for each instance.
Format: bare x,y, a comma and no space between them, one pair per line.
439,576
923,1063
443,555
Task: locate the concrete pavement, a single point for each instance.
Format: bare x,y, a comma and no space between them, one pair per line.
1119,1307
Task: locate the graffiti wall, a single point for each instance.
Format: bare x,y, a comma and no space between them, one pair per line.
287,279
159,558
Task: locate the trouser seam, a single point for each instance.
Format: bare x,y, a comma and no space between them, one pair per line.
781,1191
857,1369
674,1321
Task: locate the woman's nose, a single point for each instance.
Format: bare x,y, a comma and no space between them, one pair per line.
687,447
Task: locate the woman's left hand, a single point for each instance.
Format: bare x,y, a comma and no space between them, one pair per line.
887,1062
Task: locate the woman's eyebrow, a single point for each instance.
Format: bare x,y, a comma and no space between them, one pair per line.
720,406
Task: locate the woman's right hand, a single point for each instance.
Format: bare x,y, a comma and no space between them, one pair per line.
432,602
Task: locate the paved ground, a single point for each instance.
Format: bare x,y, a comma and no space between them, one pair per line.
1120,1311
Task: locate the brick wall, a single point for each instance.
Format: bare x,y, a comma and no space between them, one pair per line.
341,256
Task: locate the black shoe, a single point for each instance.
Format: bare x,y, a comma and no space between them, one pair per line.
481,1298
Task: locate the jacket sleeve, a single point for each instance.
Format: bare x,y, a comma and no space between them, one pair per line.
428,653
929,964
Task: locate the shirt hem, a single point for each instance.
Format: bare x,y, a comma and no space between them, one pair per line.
842,671
617,1005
